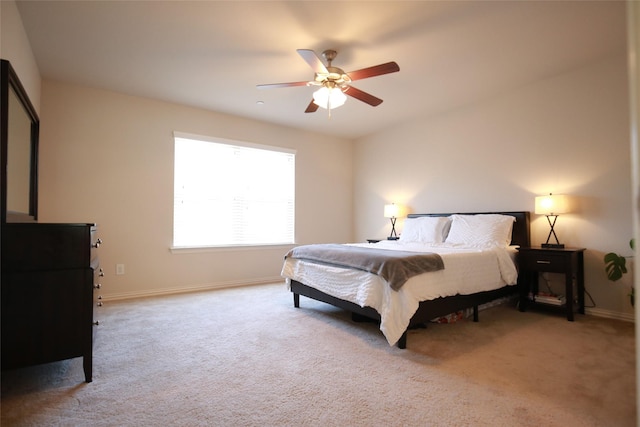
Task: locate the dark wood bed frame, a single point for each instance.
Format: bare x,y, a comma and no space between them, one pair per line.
431,309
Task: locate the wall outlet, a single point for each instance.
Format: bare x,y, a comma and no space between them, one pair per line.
119,269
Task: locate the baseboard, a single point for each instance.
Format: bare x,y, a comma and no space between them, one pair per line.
599,312
187,289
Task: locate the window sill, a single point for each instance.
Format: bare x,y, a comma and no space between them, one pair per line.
228,248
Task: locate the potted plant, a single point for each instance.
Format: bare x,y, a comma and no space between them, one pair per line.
616,267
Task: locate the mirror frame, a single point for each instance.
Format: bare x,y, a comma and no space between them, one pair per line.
9,79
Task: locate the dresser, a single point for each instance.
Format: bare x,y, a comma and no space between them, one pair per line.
51,279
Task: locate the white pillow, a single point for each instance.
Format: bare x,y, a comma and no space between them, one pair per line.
424,229
481,230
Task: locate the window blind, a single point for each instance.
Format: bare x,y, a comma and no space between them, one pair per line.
232,193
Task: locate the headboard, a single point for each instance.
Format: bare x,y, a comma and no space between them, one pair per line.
520,235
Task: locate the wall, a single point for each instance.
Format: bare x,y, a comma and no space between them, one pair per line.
108,158
568,134
633,37
15,47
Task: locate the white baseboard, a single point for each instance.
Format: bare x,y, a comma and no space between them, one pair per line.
599,312
187,289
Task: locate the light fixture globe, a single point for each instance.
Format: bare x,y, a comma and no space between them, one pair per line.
329,97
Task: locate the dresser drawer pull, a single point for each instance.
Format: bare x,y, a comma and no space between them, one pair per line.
96,244
543,262
96,323
101,273
97,286
99,304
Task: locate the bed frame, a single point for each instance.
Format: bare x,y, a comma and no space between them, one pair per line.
431,309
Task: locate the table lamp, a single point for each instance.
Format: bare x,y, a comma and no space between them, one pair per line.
551,206
391,211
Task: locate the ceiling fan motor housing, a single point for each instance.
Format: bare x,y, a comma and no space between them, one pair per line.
335,75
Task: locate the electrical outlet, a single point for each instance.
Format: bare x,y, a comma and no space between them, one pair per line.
119,269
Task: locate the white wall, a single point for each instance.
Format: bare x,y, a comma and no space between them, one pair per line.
633,34
15,47
108,158
568,135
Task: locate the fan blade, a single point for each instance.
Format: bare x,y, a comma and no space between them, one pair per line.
312,107
362,96
314,62
376,70
274,85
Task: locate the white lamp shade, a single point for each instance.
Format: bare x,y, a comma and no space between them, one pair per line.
329,97
391,211
552,204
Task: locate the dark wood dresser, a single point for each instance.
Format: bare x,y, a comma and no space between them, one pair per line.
51,277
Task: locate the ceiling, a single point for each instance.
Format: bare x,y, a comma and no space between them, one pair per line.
212,54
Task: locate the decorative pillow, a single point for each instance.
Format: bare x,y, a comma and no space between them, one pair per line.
424,229
481,230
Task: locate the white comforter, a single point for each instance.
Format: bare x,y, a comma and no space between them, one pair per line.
466,271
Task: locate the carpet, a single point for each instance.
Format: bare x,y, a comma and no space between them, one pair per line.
246,357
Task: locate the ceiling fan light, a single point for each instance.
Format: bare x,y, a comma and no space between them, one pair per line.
329,98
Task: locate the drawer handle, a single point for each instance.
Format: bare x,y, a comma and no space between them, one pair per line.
97,286
99,304
97,322
543,262
96,244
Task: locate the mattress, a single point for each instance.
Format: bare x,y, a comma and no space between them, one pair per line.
467,270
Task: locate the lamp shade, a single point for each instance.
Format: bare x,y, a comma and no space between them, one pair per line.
391,211
329,98
552,204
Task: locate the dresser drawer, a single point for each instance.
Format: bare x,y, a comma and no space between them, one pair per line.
540,261
41,246
46,316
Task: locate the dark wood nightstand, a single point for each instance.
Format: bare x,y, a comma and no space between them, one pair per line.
567,261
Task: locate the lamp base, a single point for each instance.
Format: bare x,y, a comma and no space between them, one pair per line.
393,238
553,245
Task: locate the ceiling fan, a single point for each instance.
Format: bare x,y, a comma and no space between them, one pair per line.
334,82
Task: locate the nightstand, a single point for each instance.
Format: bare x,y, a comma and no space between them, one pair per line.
567,261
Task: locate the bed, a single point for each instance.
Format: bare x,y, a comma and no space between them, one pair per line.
469,277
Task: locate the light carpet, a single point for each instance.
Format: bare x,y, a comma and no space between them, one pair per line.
246,357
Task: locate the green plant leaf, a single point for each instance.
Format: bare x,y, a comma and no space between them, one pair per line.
615,266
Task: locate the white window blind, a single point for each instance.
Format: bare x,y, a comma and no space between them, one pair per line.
232,193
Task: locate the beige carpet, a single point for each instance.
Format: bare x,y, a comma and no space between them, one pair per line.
246,357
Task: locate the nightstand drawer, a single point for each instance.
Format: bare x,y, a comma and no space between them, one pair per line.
547,262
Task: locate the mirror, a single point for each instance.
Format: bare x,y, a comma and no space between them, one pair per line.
19,149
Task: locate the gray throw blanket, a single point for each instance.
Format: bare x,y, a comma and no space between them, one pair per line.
396,267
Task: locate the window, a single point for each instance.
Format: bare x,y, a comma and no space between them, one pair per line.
232,193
